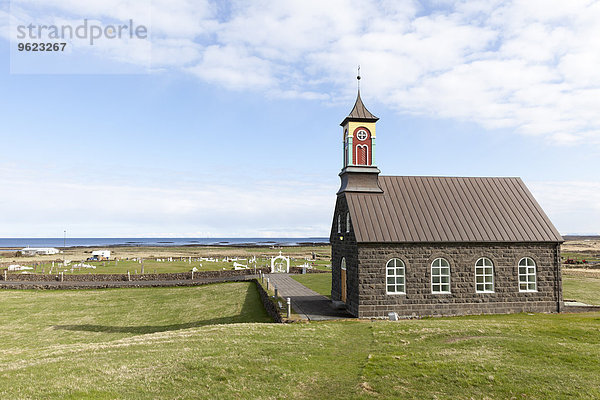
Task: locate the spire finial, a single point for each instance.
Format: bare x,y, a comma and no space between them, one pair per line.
358,78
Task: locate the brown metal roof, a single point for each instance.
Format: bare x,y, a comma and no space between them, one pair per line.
442,209
359,112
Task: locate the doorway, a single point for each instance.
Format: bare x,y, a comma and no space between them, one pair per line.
343,279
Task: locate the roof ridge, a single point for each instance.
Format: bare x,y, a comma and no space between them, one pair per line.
449,177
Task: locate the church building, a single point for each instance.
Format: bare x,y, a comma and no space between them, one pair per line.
421,245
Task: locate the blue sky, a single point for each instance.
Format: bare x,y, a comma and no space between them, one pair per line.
233,129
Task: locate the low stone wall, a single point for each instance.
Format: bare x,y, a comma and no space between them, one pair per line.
91,277
271,308
36,285
298,270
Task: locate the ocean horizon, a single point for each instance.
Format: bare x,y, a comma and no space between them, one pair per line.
19,243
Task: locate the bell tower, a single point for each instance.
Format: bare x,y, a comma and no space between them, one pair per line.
359,173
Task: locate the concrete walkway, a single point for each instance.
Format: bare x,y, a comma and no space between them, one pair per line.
307,303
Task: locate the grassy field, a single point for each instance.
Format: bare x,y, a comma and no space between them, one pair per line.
580,256
581,285
320,283
213,342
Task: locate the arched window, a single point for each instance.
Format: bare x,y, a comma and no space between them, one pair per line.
484,275
343,264
339,223
345,148
395,276
440,276
347,222
527,277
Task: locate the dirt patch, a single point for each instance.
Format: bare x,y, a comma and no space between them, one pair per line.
581,272
367,388
581,245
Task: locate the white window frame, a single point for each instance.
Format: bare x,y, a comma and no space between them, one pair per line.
339,223
347,222
396,278
436,275
484,275
527,270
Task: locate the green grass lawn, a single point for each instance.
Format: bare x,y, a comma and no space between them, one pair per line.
214,342
193,343
320,283
581,286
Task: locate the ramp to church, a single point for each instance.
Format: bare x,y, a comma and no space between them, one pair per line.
307,303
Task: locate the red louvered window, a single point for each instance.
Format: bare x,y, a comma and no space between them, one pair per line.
362,155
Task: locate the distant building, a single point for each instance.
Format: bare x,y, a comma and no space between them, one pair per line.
35,251
101,254
419,245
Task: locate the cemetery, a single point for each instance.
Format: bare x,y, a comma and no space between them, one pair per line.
138,262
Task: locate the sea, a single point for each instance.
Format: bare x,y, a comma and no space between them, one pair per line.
19,243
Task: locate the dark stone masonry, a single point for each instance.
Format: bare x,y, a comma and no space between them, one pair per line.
367,290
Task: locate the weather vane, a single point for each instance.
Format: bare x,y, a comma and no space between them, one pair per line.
358,77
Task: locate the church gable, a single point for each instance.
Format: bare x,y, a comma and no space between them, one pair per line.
342,226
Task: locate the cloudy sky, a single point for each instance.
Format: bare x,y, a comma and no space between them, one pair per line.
224,121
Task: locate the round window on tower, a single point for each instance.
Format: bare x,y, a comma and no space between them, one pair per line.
362,134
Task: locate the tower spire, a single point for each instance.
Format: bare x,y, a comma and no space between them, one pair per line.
359,173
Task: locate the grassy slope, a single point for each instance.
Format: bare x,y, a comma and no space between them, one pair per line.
320,283
192,342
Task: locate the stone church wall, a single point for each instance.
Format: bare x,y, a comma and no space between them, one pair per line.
343,245
419,301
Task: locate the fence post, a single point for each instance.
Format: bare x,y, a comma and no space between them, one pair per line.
128,276
289,307
276,291
267,283
192,274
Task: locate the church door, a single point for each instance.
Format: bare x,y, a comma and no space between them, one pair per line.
343,279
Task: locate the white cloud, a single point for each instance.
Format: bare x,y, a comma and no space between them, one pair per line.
124,210
233,68
573,206
529,66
